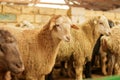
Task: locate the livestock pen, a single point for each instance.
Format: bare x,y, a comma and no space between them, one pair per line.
25,18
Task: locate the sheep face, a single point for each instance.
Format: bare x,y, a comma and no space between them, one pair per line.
61,28
102,25
9,53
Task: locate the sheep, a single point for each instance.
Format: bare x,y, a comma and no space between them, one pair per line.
68,60
117,23
10,58
110,51
39,47
111,23
25,24
96,55
81,46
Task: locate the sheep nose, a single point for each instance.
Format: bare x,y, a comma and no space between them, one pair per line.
18,65
108,33
21,69
67,38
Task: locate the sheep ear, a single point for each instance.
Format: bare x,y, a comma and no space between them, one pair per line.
1,52
51,25
95,22
74,26
17,25
10,39
52,21
99,17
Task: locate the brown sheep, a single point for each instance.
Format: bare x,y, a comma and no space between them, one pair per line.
83,43
39,47
110,51
10,59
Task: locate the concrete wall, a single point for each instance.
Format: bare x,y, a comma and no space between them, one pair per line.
12,14
79,15
115,10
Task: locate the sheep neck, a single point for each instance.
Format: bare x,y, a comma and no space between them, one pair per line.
48,44
3,65
89,30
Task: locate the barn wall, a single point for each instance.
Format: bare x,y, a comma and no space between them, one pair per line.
79,15
11,14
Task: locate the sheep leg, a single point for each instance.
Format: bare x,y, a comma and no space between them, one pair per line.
117,69
103,59
7,75
103,64
79,71
63,69
117,65
49,76
97,60
88,69
70,69
42,77
111,62
78,63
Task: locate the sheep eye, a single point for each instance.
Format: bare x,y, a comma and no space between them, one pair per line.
1,49
101,23
57,25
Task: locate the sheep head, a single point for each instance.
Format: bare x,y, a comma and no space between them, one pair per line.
9,53
102,25
60,26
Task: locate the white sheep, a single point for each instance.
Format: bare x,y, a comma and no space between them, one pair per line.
83,43
25,24
110,52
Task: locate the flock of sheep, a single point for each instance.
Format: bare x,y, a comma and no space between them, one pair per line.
32,54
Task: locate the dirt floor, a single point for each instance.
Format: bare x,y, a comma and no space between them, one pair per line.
95,74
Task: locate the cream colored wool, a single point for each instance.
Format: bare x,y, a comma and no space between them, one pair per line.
111,45
83,43
39,46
